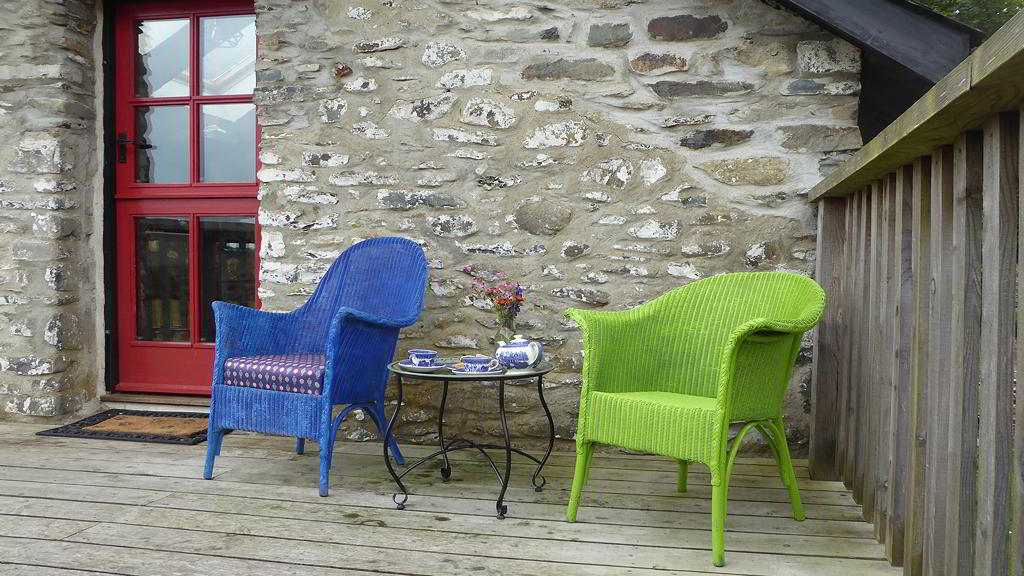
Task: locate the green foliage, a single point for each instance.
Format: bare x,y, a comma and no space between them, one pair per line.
985,15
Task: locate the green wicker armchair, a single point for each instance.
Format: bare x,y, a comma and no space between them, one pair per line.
670,376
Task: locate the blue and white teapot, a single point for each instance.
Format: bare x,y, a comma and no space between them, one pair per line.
519,353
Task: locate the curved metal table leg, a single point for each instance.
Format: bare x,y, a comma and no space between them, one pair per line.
387,459
551,438
446,470
500,506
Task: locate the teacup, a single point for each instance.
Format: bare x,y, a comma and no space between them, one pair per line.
478,363
422,357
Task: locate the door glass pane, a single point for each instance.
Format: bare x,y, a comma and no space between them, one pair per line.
228,147
161,64
161,282
161,144
228,46
227,263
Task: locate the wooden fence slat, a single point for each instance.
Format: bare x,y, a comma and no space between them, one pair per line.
999,254
965,292
913,549
826,373
861,348
938,358
1017,510
902,338
849,463
884,357
843,401
873,345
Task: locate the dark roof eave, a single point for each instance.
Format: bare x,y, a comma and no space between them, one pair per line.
923,41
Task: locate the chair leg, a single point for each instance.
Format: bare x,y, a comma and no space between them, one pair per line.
376,412
719,507
325,466
300,445
213,441
769,437
684,468
786,464
584,453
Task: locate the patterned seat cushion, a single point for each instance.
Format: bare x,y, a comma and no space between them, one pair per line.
298,373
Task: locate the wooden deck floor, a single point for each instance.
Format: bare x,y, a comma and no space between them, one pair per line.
74,507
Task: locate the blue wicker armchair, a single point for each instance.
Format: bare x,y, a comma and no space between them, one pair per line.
282,373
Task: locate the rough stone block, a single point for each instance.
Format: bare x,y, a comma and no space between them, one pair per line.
350,178
487,112
820,138
458,226
827,57
585,295
515,13
465,78
37,250
652,170
809,87
53,226
571,249
61,278
437,54
614,172
360,85
758,171
699,139
35,365
683,270
63,331
686,27
611,35
39,155
557,135
332,110
464,137
279,175
543,217
430,108
690,89
651,64
655,230
370,131
379,45
405,200
490,182
565,69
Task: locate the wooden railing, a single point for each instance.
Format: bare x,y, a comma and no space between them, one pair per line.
913,394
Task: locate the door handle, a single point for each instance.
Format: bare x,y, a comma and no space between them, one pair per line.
122,143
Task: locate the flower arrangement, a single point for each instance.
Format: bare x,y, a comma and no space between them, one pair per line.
505,296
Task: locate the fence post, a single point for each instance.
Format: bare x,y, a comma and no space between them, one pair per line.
995,396
827,372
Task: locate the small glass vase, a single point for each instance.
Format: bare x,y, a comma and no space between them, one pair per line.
505,332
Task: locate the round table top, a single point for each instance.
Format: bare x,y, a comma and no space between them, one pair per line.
446,373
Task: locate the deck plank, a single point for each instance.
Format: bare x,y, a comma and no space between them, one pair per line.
77,508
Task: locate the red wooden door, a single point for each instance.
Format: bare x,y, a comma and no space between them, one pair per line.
185,191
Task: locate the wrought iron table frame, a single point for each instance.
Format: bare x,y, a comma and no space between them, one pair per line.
459,443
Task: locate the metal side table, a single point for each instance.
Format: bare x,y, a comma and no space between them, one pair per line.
445,376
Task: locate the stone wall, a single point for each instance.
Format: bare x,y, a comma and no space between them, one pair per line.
48,163
600,152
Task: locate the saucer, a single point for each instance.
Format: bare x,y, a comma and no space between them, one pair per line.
464,372
410,367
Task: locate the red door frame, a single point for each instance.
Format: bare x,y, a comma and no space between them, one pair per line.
168,367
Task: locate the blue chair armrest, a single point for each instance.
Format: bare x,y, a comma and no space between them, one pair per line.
359,346
373,318
245,331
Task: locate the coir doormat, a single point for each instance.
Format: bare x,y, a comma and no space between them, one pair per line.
138,426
